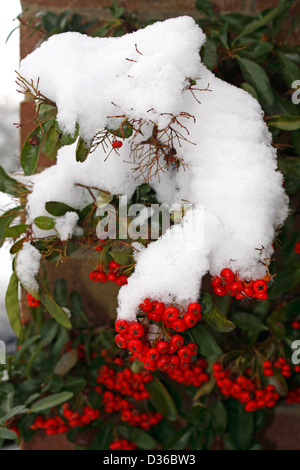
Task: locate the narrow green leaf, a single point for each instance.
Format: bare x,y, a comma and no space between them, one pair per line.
82,150
285,123
66,362
58,209
122,258
30,152
7,434
55,310
205,6
5,221
9,185
241,425
12,305
258,78
179,440
216,320
51,401
162,400
15,230
17,410
261,22
219,417
207,345
248,322
44,223
103,437
142,439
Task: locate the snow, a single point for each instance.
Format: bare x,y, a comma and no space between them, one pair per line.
27,267
92,78
230,174
65,225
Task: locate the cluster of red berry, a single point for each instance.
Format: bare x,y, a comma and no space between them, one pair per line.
293,396
167,350
98,275
122,444
243,389
126,382
228,283
32,301
295,325
56,425
114,403
279,364
194,375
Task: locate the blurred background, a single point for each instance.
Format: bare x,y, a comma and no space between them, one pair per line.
9,138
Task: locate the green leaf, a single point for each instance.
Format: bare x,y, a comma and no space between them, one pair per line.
142,439
17,410
25,346
209,54
289,69
51,143
15,230
179,440
162,400
55,310
16,247
5,221
122,258
261,22
103,437
256,50
9,185
58,209
12,305
44,223
241,425
51,401
30,153
56,383
75,384
286,280
245,86
66,362
285,123
69,139
216,320
248,322
219,417
257,77
7,434
205,6
61,291
207,345
82,150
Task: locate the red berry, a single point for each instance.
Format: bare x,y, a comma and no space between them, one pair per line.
220,290
152,354
170,314
135,346
146,306
184,352
216,281
117,144
176,341
179,325
163,347
227,275
190,319
268,372
194,308
121,326
260,286
236,286
159,308
193,348
121,341
136,330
